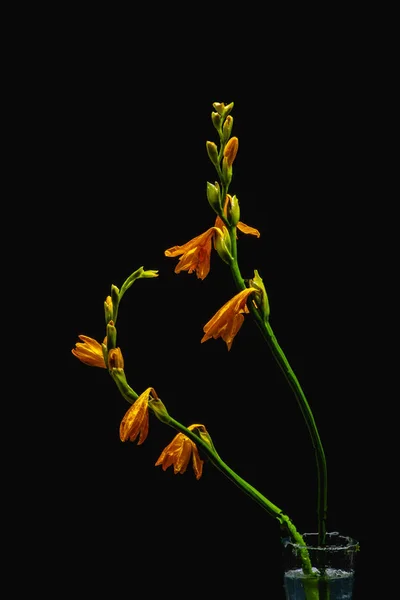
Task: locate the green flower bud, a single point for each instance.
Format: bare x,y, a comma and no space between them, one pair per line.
227,128
213,197
212,152
228,109
222,109
111,336
219,107
233,210
226,172
222,244
108,309
217,121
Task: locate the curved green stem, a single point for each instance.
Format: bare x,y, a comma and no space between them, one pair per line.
270,338
248,489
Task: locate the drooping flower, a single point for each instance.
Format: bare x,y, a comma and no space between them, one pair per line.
89,351
194,255
228,320
178,453
136,419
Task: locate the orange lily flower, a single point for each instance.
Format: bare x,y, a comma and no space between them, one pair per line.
228,320
178,453
89,352
136,419
195,254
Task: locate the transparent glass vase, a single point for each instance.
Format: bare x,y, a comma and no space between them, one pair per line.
333,567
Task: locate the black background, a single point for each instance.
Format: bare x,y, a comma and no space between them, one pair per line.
127,166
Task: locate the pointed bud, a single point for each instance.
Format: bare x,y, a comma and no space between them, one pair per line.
226,173
217,121
111,336
227,129
222,109
230,150
114,295
232,210
108,309
228,109
138,274
213,196
219,107
222,244
212,152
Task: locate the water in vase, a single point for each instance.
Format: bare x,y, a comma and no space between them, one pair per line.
340,584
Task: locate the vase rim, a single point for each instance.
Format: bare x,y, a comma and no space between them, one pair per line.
343,542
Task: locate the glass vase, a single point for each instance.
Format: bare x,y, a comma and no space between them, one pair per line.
332,576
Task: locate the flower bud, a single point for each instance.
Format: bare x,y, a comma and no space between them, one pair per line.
227,128
114,295
108,309
230,150
222,244
212,152
219,107
217,121
226,173
222,109
233,210
111,336
213,196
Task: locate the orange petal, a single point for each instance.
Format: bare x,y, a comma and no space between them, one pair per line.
182,460
247,229
197,462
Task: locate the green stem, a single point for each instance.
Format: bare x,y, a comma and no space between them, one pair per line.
248,489
269,336
209,450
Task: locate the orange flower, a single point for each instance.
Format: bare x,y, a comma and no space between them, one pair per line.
89,352
228,320
195,254
178,453
136,419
